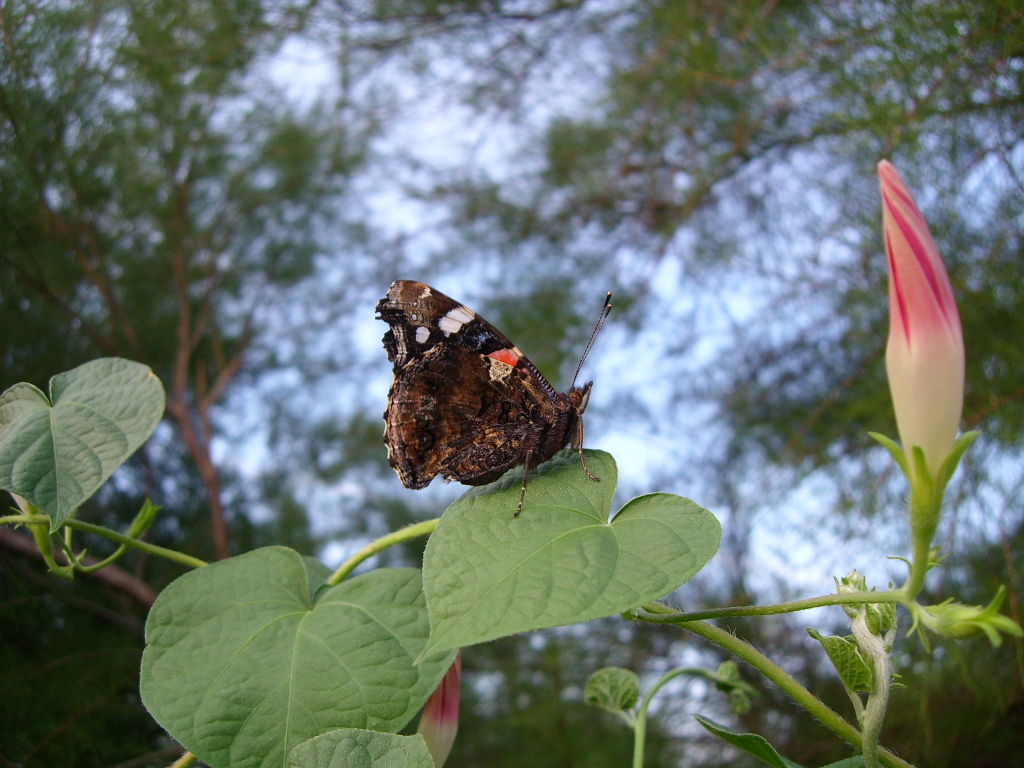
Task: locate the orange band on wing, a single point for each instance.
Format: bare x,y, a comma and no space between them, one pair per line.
506,356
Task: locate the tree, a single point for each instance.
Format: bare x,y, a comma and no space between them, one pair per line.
162,199
713,163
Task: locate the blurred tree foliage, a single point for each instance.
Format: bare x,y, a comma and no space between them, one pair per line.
165,196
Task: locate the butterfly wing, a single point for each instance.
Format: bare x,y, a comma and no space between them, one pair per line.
465,402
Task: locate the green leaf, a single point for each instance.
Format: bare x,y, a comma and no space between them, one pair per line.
857,761
488,574
846,658
241,664
57,451
750,743
612,688
355,748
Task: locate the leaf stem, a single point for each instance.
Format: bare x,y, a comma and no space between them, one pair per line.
184,761
640,724
846,598
120,538
830,718
413,531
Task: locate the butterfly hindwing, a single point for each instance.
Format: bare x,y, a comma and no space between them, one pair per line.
447,416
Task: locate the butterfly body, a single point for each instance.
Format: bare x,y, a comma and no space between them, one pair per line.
466,403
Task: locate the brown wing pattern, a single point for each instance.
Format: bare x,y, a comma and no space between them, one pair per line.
421,318
469,418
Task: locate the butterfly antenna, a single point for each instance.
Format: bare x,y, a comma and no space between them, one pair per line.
593,336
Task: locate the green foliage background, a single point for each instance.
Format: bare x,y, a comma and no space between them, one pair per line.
180,187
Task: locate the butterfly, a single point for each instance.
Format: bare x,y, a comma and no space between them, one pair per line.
466,403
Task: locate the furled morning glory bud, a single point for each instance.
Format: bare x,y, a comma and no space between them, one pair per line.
925,354
440,719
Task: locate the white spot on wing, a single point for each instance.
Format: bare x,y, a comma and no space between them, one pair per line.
448,325
461,314
422,334
456,317
425,292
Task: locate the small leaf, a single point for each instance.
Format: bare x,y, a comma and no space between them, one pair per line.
488,574
846,658
750,743
612,688
356,748
57,451
739,692
241,665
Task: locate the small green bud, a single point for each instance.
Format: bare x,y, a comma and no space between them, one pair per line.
957,620
854,581
881,617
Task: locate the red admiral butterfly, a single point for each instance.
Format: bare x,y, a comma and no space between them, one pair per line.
466,403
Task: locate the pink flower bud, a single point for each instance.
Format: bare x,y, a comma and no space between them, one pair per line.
925,354
440,719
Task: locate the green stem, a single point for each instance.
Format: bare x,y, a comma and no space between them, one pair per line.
640,722
925,508
640,725
120,538
413,531
41,533
922,549
873,714
846,598
184,761
39,525
786,682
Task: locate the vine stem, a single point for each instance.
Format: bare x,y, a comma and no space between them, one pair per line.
413,531
786,682
640,724
846,598
184,761
120,538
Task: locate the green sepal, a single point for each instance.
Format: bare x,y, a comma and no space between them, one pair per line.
894,448
952,461
144,519
915,625
921,474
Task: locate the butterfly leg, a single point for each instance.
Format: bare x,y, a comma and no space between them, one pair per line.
578,445
526,473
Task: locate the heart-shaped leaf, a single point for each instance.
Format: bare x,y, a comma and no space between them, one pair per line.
58,451
354,748
488,574
241,664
